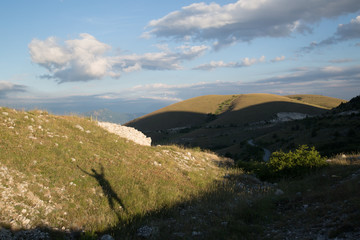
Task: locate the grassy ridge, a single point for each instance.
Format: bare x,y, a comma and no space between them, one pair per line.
186,113
323,101
66,172
230,109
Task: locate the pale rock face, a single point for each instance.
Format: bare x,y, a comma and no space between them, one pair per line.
289,116
126,132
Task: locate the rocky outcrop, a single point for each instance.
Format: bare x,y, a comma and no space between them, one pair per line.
126,132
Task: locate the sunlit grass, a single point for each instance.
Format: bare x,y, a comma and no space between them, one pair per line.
56,157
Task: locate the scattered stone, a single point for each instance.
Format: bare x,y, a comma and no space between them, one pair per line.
195,233
144,231
106,237
79,127
126,132
5,113
157,164
279,192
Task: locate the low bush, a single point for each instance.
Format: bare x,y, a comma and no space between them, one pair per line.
285,164
292,164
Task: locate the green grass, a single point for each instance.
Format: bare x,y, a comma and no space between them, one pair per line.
225,105
70,170
95,181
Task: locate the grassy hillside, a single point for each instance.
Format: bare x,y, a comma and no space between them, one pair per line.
333,132
190,112
224,123
70,179
226,109
323,101
65,172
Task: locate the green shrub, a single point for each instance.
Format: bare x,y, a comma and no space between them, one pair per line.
284,165
292,164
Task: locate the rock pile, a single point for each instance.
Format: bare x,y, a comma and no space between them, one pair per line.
126,132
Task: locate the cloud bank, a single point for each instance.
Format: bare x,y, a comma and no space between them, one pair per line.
344,32
335,81
8,87
341,82
86,59
246,20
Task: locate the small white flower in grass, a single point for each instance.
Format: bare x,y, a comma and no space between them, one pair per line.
73,159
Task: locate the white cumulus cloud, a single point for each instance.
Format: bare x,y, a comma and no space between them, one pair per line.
278,59
245,20
86,59
246,62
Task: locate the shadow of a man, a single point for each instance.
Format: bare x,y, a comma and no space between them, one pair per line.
111,195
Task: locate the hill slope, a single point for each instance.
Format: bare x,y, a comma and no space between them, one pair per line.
196,111
64,175
65,172
186,113
221,123
333,132
323,101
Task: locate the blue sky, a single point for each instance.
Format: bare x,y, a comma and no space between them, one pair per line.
137,56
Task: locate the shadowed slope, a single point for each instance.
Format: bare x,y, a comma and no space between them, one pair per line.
264,112
181,114
239,109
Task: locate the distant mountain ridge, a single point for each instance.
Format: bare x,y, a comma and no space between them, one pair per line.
106,115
